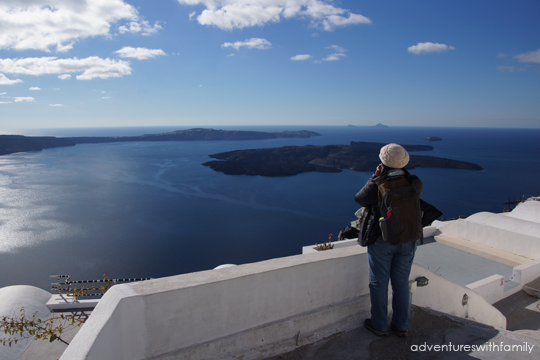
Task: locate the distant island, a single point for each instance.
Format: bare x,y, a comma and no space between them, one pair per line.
10,144
379,125
377,146
293,160
200,134
433,138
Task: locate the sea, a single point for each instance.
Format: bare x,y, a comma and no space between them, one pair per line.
151,209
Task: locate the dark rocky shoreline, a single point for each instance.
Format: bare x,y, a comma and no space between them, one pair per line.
10,144
293,160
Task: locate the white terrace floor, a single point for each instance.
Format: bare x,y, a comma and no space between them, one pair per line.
458,265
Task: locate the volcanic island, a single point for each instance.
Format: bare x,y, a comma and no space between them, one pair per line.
293,160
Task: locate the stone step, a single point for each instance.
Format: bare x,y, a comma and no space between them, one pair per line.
533,288
487,252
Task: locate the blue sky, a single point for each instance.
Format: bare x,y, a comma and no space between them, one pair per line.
75,63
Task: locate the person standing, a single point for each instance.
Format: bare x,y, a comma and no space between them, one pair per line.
387,262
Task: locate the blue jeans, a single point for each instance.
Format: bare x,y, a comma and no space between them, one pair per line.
390,262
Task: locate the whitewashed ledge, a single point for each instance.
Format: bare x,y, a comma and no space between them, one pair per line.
250,311
267,308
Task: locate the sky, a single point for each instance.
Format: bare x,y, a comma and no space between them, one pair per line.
96,63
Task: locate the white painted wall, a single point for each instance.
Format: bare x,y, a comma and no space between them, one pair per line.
446,296
430,231
439,224
249,310
510,234
216,313
529,210
526,273
492,288
12,298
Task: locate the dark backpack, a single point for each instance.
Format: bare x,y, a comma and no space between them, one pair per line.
400,214
366,224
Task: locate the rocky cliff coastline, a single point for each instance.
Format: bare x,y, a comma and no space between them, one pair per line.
10,144
293,160
199,134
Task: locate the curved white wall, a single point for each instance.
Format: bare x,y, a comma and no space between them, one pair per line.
510,234
445,296
529,210
12,298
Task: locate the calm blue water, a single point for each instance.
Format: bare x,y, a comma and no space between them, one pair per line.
152,210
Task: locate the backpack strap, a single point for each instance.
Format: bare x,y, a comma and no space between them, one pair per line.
398,190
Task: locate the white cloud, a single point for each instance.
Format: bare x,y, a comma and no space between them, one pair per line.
139,53
5,81
64,48
531,57
510,69
301,57
142,26
34,88
21,98
64,76
253,43
337,55
3,93
106,97
91,67
230,55
429,47
5,102
45,24
230,14
103,92
334,57
336,48
56,105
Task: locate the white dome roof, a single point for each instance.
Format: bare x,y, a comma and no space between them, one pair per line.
12,298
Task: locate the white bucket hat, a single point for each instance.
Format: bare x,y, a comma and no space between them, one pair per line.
394,156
